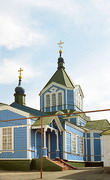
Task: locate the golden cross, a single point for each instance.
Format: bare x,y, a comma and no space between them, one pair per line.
60,44
20,70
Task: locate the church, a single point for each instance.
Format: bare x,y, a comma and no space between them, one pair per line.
68,134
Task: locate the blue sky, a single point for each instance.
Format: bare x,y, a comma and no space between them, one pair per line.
29,33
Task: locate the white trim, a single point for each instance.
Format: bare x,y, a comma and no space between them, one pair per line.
13,138
49,145
7,107
86,146
102,149
36,144
0,139
92,146
57,141
19,126
77,144
51,99
93,138
45,129
66,97
53,84
53,118
28,142
93,131
74,126
64,145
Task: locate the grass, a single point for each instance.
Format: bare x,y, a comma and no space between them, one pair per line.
77,164
47,165
15,165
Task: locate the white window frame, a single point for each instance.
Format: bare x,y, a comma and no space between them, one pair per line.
47,102
54,99
60,98
51,103
12,139
73,140
81,146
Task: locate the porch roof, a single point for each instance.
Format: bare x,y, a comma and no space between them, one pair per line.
107,132
46,121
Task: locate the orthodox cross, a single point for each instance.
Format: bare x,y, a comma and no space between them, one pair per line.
20,75
60,46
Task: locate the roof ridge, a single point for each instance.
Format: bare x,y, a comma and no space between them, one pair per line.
68,78
98,120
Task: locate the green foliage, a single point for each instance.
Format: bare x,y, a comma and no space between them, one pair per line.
77,164
47,165
15,165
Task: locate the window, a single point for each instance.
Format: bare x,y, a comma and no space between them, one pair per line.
53,99
81,145
7,138
47,100
59,98
74,143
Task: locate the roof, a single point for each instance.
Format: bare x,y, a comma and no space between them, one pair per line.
70,114
98,125
2,104
45,121
27,109
107,132
61,77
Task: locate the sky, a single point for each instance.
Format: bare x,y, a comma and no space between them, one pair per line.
29,33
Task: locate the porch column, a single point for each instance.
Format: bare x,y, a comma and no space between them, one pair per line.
44,149
57,144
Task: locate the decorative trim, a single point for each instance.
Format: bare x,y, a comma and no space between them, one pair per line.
49,145
55,84
7,107
64,145
19,126
16,150
92,147
55,91
74,126
28,141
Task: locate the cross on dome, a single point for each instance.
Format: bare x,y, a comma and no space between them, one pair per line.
60,46
20,75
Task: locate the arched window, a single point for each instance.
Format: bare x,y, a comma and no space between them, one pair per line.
53,99
60,98
47,100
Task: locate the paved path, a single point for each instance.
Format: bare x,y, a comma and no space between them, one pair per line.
80,174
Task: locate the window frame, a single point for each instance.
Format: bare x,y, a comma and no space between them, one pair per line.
6,147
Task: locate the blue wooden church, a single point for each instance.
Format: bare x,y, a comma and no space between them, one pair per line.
66,135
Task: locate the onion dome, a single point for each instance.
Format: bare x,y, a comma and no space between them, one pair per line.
19,90
60,61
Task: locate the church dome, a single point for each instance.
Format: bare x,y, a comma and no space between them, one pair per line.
60,59
19,90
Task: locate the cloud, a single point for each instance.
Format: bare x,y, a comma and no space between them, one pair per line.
93,75
14,33
19,28
9,70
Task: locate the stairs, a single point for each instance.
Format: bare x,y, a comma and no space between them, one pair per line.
64,165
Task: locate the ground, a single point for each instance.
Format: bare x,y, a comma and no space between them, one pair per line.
79,174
